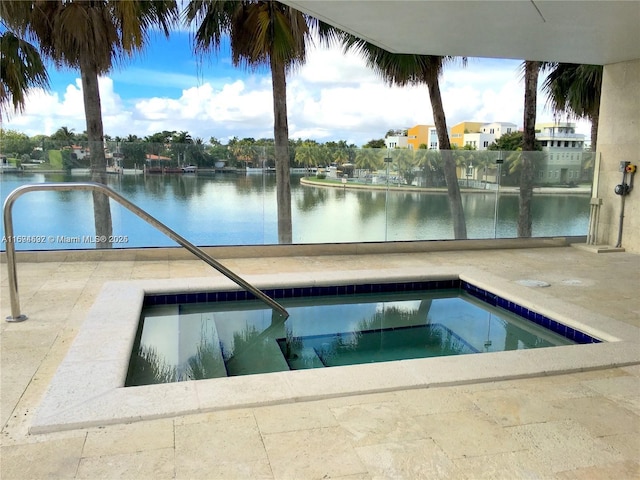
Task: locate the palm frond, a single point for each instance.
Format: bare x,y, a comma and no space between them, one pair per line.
21,69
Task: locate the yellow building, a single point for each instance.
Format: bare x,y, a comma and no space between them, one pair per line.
418,135
458,131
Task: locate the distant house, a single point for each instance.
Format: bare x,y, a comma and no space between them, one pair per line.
79,151
156,163
479,135
564,150
156,158
459,130
422,135
396,141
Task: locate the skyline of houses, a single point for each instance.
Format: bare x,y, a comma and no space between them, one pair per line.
562,161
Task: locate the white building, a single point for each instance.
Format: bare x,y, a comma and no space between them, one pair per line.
488,134
396,141
564,153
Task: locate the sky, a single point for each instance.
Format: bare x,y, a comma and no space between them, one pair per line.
333,96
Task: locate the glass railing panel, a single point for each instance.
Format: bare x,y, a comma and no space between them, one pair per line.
338,194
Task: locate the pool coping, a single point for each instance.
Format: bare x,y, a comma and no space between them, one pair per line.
88,387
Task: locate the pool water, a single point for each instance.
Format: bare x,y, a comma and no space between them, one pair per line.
190,341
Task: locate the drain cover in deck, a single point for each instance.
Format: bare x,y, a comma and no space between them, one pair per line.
532,283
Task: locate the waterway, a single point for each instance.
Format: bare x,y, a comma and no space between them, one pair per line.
235,209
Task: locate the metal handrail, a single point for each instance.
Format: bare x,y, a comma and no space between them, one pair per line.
16,316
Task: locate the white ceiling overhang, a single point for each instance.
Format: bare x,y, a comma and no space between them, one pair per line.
596,32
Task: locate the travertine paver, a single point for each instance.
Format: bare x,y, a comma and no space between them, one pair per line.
429,401
314,453
526,403
221,446
130,438
574,426
616,470
46,459
300,416
411,459
564,445
469,433
600,416
624,390
521,464
380,422
151,464
627,444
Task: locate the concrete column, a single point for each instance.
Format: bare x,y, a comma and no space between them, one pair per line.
619,140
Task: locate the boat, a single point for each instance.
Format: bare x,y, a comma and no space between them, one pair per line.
190,169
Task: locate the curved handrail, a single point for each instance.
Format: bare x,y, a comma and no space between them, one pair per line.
16,316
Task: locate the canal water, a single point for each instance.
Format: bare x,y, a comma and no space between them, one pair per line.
234,209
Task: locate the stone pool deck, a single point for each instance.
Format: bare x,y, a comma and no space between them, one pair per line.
575,425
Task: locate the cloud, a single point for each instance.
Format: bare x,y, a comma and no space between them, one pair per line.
47,112
333,96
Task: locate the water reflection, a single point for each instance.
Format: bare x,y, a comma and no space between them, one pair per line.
195,341
230,209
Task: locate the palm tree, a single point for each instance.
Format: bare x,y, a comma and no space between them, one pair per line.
405,162
261,33
64,135
179,142
307,154
484,160
431,164
91,36
531,71
369,159
408,69
21,69
575,91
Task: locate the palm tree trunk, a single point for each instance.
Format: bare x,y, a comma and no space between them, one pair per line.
453,189
595,119
281,135
95,134
528,146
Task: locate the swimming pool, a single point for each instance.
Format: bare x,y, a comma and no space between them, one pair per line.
329,326
88,386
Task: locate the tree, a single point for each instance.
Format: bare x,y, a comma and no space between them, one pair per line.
508,142
179,142
375,143
484,160
21,69
261,33
531,71
574,90
430,163
405,162
15,143
409,69
64,137
307,154
91,36
369,159
134,154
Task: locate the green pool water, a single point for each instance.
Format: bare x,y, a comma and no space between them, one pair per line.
208,340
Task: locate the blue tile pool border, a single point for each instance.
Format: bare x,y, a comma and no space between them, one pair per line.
394,287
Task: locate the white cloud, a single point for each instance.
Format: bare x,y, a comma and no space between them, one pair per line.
334,96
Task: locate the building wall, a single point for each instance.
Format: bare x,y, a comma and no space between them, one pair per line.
417,135
619,140
396,142
457,132
480,141
499,128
